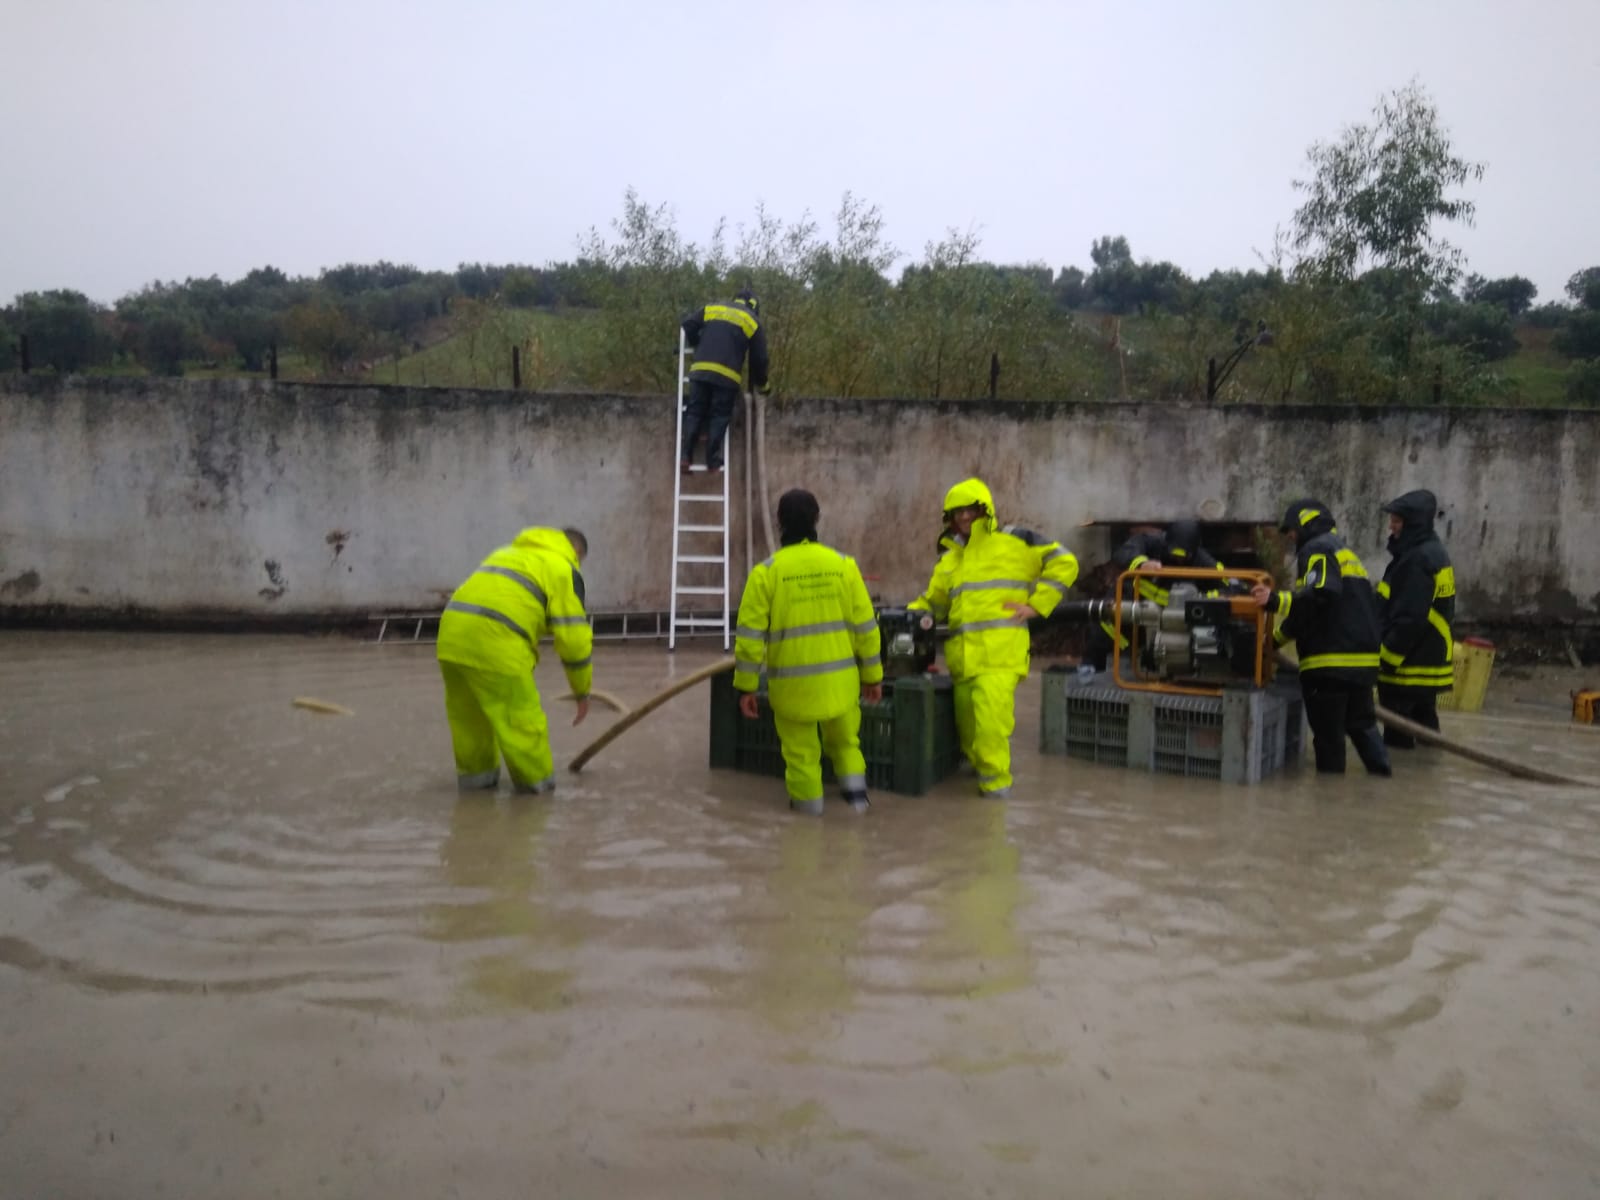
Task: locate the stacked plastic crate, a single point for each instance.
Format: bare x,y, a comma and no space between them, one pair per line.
908,738
1241,736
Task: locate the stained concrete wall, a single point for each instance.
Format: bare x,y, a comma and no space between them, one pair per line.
280,501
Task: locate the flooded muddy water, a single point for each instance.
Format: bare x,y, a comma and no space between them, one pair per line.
248,950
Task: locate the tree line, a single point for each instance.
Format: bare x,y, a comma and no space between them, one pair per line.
1359,299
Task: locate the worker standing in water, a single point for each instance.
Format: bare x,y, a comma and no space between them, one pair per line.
489,645
1332,617
1417,603
807,619
986,588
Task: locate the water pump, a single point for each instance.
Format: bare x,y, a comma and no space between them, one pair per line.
1196,643
907,641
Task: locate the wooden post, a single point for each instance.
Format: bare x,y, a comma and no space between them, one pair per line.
1211,378
516,367
27,361
994,375
272,361
1438,384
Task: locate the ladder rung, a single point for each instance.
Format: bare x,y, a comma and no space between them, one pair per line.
702,528
701,591
713,498
701,558
702,622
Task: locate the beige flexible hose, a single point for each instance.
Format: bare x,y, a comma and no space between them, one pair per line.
761,458
321,706
1428,737
605,698
645,709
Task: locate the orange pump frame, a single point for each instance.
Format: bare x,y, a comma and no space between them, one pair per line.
1238,606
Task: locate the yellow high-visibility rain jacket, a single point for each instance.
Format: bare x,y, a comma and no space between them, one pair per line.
807,618
521,593
973,582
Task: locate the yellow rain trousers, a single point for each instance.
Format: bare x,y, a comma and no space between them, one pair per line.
488,647
807,621
493,715
975,588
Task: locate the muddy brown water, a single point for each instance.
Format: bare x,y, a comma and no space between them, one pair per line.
246,950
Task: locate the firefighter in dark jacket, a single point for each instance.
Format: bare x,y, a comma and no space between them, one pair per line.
1332,616
1177,546
720,336
1417,603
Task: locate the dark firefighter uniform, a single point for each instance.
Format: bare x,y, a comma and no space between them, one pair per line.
489,645
1178,546
1332,617
720,335
1417,603
974,588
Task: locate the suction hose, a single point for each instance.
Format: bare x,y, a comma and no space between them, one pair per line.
649,706
1430,738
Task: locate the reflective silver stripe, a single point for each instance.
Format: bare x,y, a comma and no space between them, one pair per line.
747,667
866,662
483,779
520,580
569,620
827,668
745,631
478,610
987,778
1060,587
1054,554
547,784
577,663
767,562
864,627
987,585
976,626
853,783
799,631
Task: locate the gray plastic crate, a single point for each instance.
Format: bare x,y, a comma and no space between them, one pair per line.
1242,736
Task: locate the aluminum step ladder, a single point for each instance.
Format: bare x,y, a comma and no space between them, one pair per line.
698,519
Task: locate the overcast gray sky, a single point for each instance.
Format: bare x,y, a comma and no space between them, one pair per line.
145,139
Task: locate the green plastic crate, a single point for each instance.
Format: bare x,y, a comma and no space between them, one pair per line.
908,738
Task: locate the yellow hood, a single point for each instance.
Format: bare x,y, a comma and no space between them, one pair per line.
552,541
971,491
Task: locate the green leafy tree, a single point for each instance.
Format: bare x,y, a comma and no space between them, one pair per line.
1584,288
1580,336
1483,330
64,330
1513,293
1373,202
1583,384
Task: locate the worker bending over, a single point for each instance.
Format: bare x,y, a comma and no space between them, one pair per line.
806,617
489,645
1332,616
987,587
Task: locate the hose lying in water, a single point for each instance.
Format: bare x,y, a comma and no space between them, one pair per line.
605,698
633,718
321,706
1430,738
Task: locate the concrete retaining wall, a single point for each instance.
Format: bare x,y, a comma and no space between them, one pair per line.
269,502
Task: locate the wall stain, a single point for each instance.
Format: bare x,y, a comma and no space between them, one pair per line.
337,538
275,578
21,585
